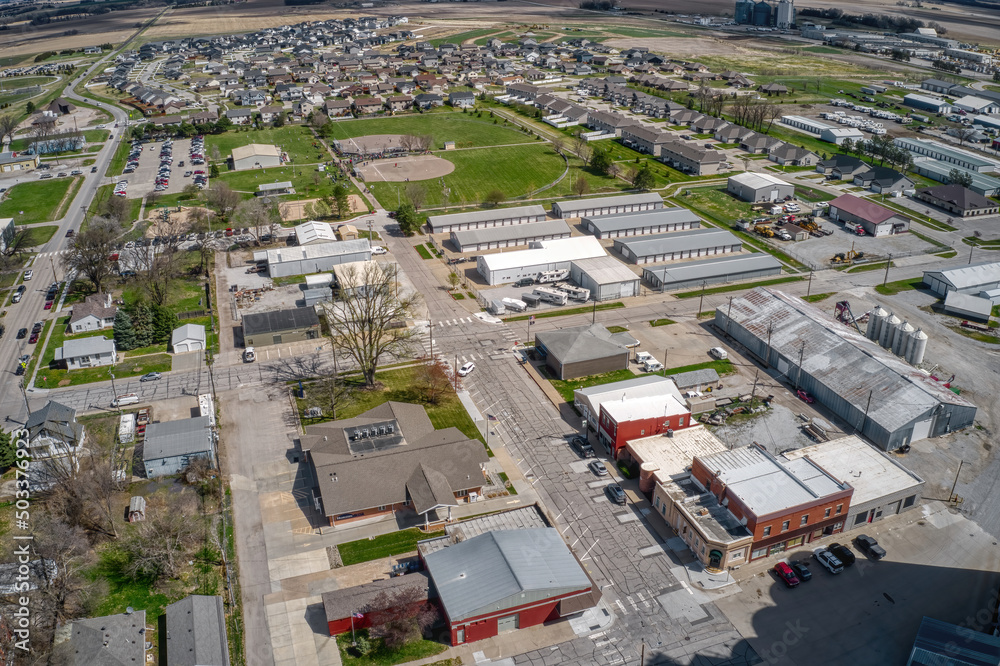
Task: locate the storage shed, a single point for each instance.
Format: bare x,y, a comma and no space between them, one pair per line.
656,221
711,271
481,219
678,245
971,307
187,338
605,277
255,156
473,240
625,203
757,187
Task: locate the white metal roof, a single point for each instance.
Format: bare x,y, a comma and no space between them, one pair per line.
968,277
318,251
256,150
968,303
314,232
607,202
757,180
605,270
631,409
510,232
641,219
550,251
437,221
187,332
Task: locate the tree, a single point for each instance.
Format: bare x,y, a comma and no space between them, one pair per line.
996,76
224,198
453,281
341,200
959,177
154,549
164,323
214,153
29,108
600,160
409,142
559,146
644,178
8,450
434,380
365,324
117,209
409,221
580,185
89,252
964,134
400,617
279,119
416,194
8,125
493,198
142,324
213,171
259,217
124,331
318,120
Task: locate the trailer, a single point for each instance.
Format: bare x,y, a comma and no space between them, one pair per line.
497,307
549,295
546,277
531,300
575,293
514,305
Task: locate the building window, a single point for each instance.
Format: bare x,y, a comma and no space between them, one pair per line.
909,501
840,509
382,508
861,517
797,541
767,531
804,521
826,514
680,422
838,526
736,555
760,552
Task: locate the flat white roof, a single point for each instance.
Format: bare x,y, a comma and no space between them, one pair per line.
550,251
757,180
317,251
870,472
672,456
646,407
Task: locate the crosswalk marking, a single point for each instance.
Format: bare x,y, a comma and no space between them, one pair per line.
51,254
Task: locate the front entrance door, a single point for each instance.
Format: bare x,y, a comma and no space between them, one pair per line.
509,623
715,559
460,636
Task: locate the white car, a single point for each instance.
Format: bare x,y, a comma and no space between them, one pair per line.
27,275
378,249
466,369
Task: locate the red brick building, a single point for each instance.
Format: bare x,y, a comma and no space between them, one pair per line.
632,418
784,503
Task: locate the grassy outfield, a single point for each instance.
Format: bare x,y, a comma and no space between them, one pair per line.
31,203
296,140
302,179
467,130
513,170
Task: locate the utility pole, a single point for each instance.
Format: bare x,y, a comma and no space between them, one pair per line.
430,322
753,392
701,299
729,314
955,485
767,354
887,264
971,248
864,419
594,318
810,285
664,362
798,373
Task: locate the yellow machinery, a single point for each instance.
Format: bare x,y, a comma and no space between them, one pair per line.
766,232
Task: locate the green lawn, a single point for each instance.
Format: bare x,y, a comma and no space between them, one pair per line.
892,288
822,49
34,202
568,311
816,298
423,252
39,235
463,36
381,656
467,130
661,322
124,592
296,140
386,545
565,387
125,368
119,159
300,177
723,367
807,193
864,268
738,287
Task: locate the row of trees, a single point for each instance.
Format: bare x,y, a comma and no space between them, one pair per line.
880,149
141,325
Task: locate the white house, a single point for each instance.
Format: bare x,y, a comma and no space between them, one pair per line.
53,432
95,313
189,337
87,353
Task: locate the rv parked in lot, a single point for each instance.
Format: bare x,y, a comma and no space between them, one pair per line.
552,276
551,295
575,293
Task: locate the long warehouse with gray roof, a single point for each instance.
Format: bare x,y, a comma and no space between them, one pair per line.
481,219
656,221
677,245
711,271
473,240
623,203
885,399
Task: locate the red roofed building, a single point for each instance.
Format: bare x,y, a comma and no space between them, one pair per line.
874,219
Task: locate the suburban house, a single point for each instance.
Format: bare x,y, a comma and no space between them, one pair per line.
875,219
644,139
187,338
196,632
87,353
464,100
399,102
787,154
756,142
95,313
171,446
958,200
585,350
883,180
336,107
109,639
842,167
689,158
240,116
428,100
53,431
391,459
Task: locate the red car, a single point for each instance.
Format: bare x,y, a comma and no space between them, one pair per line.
33,339
786,574
805,397
48,305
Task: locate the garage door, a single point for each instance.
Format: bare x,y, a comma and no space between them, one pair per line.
508,623
921,429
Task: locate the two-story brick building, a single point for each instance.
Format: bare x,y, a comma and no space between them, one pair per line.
632,418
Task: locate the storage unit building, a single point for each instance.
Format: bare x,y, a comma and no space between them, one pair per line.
956,157
605,277
272,328
711,271
757,187
541,256
472,240
625,203
677,245
307,259
656,221
971,279
926,103
481,219
983,184
841,368
806,124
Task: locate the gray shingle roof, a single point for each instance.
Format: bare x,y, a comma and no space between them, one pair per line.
581,343
960,197
503,569
55,418
177,438
196,632
279,320
110,640
342,603
90,346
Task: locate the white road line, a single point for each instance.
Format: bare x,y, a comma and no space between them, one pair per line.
685,586
621,606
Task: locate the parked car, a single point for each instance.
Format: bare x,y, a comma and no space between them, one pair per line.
48,305
466,369
70,233
829,561
525,282
615,493
378,249
582,447
33,339
719,353
843,553
869,546
598,468
805,397
149,377
786,574
22,333
801,570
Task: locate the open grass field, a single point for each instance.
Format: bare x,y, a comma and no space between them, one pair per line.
39,201
296,140
39,235
464,36
302,180
465,129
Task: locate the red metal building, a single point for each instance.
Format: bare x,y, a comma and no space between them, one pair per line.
632,418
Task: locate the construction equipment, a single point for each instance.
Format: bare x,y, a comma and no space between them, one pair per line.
847,257
766,232
808,225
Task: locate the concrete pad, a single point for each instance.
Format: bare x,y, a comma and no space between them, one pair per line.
187,361
683,603
652,550
299,564
626,517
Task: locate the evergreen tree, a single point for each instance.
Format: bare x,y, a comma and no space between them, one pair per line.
8,450
124,332
164,322
644,178
409,221
142,324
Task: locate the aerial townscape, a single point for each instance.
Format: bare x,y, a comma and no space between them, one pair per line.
613,332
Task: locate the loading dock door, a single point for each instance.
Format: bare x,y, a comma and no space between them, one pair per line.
921,429
508,623
774,195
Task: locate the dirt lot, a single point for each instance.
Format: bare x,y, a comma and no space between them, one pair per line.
180,222
114,27
295,210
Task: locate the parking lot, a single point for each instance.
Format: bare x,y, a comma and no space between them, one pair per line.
143,179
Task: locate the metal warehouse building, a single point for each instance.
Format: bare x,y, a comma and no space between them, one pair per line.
472,240
757,187
972,279
678,245
307,259
625,203
712,271
988,186
927,103
647,222
481,219
887,400
944,153
542,256
605,277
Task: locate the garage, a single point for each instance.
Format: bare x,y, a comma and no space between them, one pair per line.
188,338
606,278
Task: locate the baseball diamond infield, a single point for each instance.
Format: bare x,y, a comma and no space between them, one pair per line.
371,144
413,167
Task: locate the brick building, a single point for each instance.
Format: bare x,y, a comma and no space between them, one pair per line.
627,419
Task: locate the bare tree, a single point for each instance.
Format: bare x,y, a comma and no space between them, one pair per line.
416,193
425,142
582,148
42,130
559,145
580,185
434,380
400,617
89,252
319,119
964,134
117,209
224,198
771,113
367,325
8,125
155,548
409,142
259,217
214,153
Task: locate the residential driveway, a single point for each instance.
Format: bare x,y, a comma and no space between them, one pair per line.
186,361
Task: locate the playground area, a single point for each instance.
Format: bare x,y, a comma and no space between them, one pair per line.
296,210
405,169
